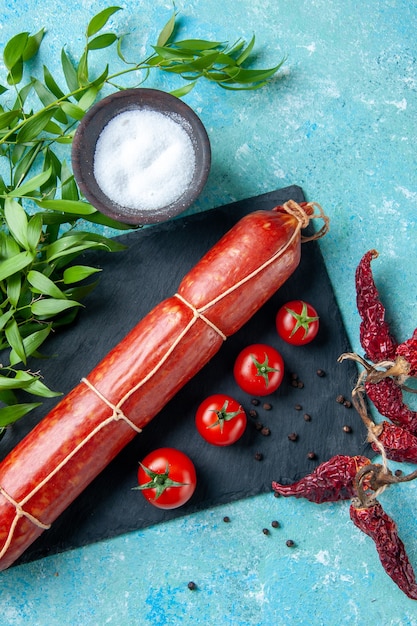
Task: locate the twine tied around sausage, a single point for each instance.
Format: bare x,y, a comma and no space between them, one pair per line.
303,220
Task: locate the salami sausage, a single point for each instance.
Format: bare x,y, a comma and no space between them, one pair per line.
51,466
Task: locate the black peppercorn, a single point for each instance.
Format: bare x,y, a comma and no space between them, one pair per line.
265,531
298,407
253,413
259,456
307,417
226,519
255,401
290,543
347,429
275,524
340,399
347,404
191,585
265,431
293,436
311,456
321,373
267,406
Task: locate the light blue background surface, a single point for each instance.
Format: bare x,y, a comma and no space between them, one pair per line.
341,123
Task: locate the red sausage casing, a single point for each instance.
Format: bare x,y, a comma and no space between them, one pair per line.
51,466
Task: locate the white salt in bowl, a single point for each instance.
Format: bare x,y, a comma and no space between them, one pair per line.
141,156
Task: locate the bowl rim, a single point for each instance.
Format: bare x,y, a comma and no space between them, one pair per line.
92,124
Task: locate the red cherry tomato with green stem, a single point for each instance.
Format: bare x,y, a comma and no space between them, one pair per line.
220,420
167,478
259,369
297,322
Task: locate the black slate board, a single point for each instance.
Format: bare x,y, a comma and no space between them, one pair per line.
132,283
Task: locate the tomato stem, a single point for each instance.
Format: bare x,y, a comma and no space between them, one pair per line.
263,369
159,482
303,320
224,416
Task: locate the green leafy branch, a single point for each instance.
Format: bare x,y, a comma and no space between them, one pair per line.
41,207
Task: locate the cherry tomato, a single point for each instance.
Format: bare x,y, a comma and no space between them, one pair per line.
167,478
297,322
220,420
259,369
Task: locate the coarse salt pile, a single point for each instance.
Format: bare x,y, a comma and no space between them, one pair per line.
144,160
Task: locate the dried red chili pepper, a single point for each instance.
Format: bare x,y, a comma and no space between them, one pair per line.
402,367
408,352
375,335
388,400
330,481
374,522
399,444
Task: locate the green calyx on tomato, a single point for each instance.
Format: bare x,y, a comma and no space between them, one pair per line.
263,369
297,322
220,419
167,478
224,416
159,482
259,369
303,320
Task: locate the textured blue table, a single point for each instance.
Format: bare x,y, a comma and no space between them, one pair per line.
341,124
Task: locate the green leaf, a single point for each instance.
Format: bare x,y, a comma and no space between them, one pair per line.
14,50
7,118
51,83
246,52
78,207
24,158
14,287
82,70
5,318
31,343
182,91
102,41
197,44
72,110
48,98
32,45
38,388
7,383
17,221
15,340
69,190
51,306
61,248
167,31
35,124
31,185
173,54
100,20
77,273
44,285
88,98
70,72
8,246
16,73
10,414
34,231
244,76
15,264
3,90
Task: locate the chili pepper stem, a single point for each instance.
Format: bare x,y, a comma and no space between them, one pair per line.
399,369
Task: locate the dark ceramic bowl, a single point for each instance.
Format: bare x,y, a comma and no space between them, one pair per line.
92,125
